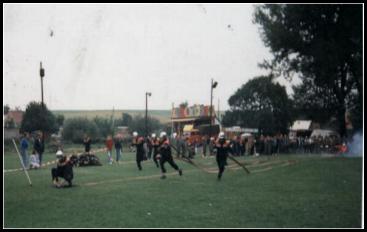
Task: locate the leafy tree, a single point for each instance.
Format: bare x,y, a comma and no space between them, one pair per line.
323,44
104,126
260,104
60,119
76,128
38,117
138,124
126,119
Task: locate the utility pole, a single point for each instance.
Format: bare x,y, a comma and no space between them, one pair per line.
42,74
212,86
146,113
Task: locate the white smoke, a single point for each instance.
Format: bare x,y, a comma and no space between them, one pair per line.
355,146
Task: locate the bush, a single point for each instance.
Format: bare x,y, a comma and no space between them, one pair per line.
75,128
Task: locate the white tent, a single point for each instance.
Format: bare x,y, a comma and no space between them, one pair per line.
301,125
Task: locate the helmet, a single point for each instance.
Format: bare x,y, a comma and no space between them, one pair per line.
153,135
163,134
135,133
59,153
221,135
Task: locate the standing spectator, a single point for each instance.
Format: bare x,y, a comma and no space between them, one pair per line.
109,145
118,147
39,147
87,142
24,149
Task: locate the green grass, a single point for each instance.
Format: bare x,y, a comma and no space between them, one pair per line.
314,192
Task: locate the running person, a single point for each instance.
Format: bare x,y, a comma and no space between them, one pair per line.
155,144
166,155
138,142
223,147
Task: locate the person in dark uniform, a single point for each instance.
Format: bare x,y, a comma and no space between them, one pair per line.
223,148
39,146
166,155
64,169
138,142
155,144
87,142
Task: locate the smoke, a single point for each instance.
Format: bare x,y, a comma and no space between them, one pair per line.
355,146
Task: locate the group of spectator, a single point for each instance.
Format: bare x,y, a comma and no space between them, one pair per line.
35,159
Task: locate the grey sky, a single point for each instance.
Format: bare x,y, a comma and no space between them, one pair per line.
104,56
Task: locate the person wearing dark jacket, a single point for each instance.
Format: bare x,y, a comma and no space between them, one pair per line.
87,142
64,170
118,147
166,155
155,144
138,142
223,148
39,147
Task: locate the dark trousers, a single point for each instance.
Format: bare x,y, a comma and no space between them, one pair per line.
222,162
40,157
168,159
64,172
139,159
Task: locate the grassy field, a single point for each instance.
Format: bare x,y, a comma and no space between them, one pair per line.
286,191
163,116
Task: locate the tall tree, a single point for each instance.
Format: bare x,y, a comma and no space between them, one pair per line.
261,104
40,118
322,43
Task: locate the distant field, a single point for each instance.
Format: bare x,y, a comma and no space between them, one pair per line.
162,115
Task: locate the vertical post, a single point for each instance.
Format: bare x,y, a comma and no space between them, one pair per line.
42,74
210,109
218,110
146,115
21,161
172,118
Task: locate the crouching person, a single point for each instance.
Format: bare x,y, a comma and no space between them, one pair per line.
64,170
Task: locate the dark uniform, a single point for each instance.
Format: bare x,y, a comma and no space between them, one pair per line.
87,142
166,156
64,169
39,148
140,152
223,148
155,144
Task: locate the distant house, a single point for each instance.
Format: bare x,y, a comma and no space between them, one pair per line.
13,119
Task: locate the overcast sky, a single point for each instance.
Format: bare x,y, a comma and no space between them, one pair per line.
103,56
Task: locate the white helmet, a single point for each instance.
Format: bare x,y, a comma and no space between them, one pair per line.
135,133
154,135
163,134
59,153
221,135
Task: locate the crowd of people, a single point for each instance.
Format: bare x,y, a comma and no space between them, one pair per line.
242,145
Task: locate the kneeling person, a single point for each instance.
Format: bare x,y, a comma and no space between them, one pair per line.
64,169
166,155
